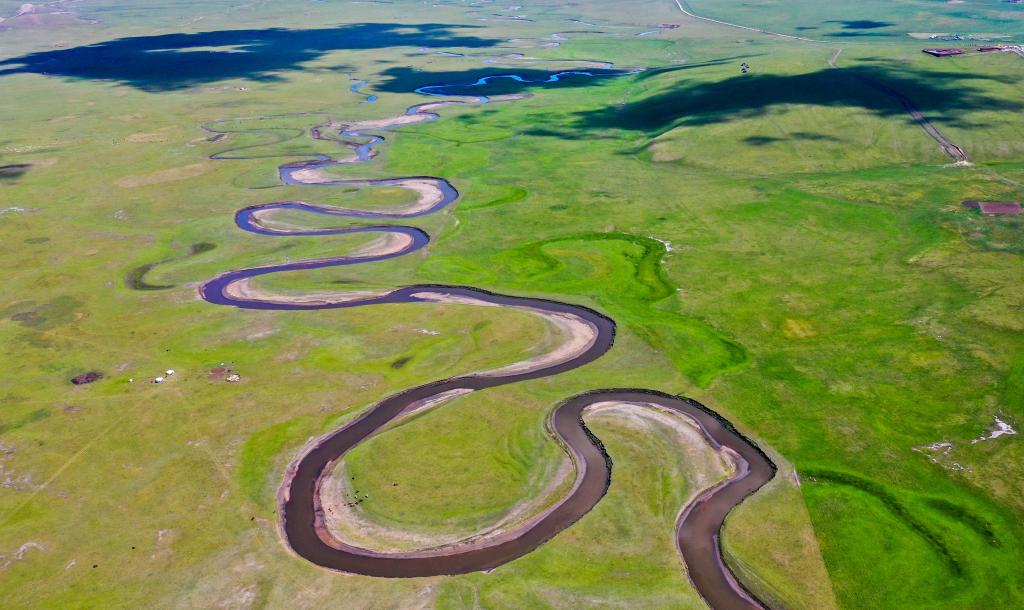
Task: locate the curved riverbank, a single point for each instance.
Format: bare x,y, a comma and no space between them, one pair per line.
591,335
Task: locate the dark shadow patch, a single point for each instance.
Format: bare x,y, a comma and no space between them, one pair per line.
401,362
169,62
798,135
55,312
201,247
815,137
37,240
762,140
989,17
136,278
403,79
895,506
962,515
14,171
859,34
455,83
748,96
862,24
515,194
31,418
554,133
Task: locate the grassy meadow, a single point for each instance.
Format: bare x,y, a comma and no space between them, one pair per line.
785,246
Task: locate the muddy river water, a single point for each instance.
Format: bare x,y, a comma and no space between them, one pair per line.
300,509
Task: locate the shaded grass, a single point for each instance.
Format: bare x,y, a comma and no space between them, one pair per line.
515,195
751,96
168,62
968,542
259,455
895,507
136,277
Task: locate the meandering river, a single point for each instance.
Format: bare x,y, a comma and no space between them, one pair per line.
300,509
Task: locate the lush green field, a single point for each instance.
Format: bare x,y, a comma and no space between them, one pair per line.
785,246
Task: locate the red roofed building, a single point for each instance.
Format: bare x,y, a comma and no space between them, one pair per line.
1000,207
994,208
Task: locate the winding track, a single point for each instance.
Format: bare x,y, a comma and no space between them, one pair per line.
953,150
684,9
302,519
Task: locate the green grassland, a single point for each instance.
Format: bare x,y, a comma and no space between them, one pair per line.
785,246
869,22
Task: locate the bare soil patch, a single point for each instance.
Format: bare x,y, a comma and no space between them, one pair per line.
86,378
798,329
155,136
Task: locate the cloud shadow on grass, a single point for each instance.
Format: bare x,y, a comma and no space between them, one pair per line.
942,96
404,79
762,140
11,173
796,135
170,62
863,24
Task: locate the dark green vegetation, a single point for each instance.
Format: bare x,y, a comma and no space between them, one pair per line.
822,287
177,61
697,104
910,527
634,265
136,277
